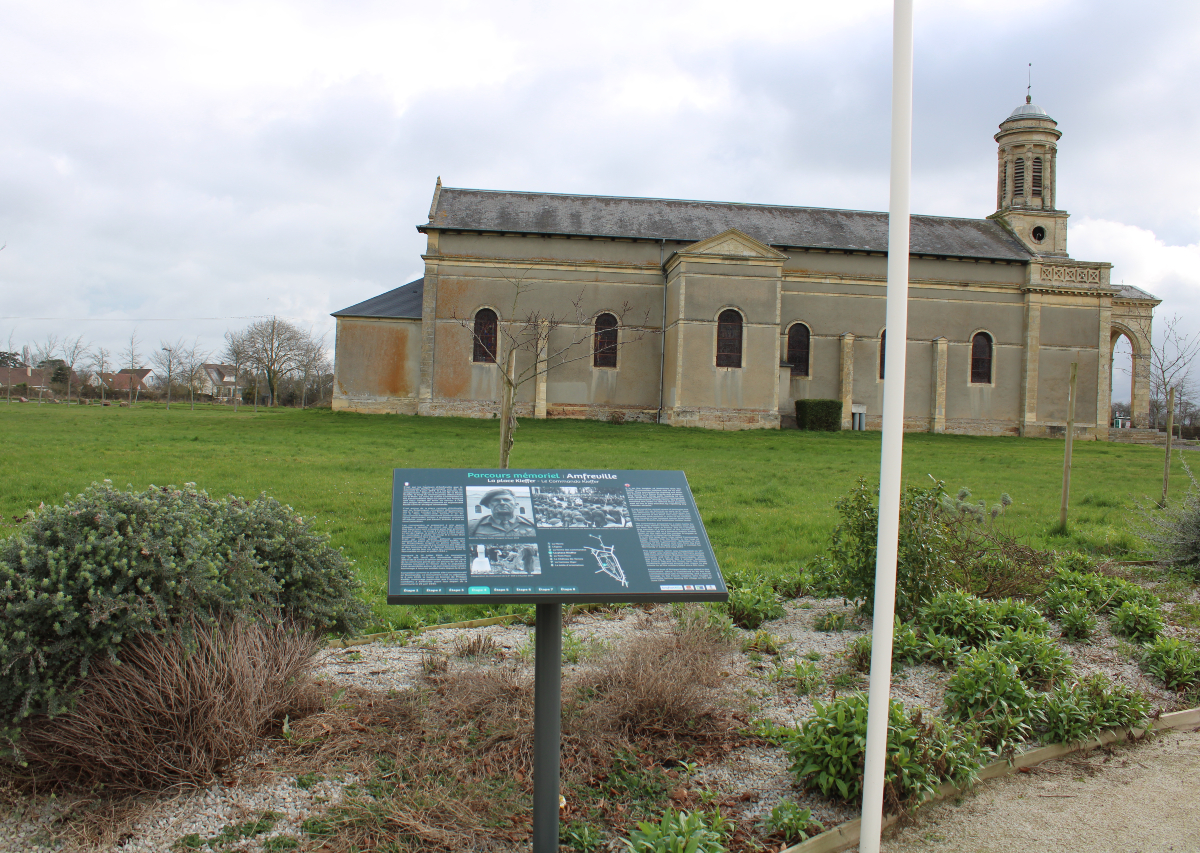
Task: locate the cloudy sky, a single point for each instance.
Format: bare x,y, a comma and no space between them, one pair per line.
174,169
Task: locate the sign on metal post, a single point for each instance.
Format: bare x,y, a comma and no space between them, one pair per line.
547,537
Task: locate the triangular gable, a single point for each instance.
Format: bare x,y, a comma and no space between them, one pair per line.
733,243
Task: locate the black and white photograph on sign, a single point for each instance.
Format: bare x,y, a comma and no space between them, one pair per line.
580,506
606,558
517,558
499,512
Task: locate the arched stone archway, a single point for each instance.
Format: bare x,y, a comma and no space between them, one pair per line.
1135,328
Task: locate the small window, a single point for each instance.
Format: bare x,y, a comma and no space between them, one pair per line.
484,334
604,342
797,349
729,339
882,351
981,359
1035,178
1019,177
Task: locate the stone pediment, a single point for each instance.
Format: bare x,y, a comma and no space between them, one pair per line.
734,243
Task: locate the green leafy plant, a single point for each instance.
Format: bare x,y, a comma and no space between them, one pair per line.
750,606
794,585
1077,622
906,645
828,751
1080,711
1011,613
986,690
789,823
762,642
940,650
803,675
582,837
1139,623
1059,599
1039,660
831,622
858,653
968,619
1175,662
107,565
705,619
679,832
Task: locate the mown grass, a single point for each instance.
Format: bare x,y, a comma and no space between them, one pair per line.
766,496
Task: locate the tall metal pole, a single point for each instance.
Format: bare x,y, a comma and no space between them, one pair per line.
1066,484
879,694
1170,430
547,726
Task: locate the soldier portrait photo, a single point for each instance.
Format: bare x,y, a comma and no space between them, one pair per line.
504,512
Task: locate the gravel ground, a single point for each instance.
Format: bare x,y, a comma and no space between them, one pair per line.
758,773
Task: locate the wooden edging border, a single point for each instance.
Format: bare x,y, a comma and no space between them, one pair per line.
847,834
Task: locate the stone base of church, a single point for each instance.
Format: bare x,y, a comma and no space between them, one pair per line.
713,418
1083,432
612,414
375,405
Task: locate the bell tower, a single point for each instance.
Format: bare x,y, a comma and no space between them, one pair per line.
1026,169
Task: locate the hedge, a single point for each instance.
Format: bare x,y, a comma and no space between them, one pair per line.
819,415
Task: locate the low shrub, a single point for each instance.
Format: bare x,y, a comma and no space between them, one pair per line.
1011,613
1080,711
831,622
790,824
1040,662
828,752
81,580
1061,599
986,690
1103,593
968,619
1174,662
1077,622
803,675
793,585
762,642
906,645
940,650
824,415
680,832
173,711
858,653
1139,623
1173,532
749,607
704,619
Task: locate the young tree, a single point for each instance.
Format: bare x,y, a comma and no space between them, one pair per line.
169,360
236,352
542,341
45,353
10,359
1171,365
100,361
131,357
192,368
314,362
73,351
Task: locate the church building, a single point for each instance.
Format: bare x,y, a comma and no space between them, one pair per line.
722,315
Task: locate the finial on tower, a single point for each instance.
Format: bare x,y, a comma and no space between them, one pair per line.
1029,85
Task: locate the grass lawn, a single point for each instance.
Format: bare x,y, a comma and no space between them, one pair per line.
766,496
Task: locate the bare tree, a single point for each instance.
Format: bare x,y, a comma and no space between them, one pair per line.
131,356
10,359
532,334
275,348
192,368
46,354
1171,364
72,352
315,361
169,359
100,361
236,352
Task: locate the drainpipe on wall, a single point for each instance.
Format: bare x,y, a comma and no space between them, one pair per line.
662,330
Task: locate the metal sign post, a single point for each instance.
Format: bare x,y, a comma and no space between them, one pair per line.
547,726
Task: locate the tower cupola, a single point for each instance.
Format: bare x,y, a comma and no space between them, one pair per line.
1026,169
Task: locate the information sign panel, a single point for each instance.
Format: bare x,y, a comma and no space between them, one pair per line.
547,536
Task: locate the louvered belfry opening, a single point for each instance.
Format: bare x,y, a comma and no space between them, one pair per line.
981,359
484,333
729,339
604,342
797,349
1019,177
1003,186
1035,178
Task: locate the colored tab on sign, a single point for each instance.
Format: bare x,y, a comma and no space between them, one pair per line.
479,590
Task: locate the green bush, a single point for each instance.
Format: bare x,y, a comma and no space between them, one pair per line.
1080,711
969,620
1061,599
750,606
1176,663
790,586
1174,531
1077,622
1139,623
1011,613
823,415
79,579
1040,662
924,567
1103,593
789,823
858,653
679,832
829,748
803,675
987,690
907,647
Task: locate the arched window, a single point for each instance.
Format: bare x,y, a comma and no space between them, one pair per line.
604,342
1035,178
797,349
729,339
981,358
484,334
1019,177
882,351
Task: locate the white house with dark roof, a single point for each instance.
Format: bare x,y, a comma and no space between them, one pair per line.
749,308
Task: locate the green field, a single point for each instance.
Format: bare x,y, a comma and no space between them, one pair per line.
766,496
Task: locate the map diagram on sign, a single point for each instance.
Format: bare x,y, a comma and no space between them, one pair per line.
608,562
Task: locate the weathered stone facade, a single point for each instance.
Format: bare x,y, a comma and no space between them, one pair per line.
998,311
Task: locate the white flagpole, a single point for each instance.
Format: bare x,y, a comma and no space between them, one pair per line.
893,428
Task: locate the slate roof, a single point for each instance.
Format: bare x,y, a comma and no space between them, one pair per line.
1128,291
692,221
403,302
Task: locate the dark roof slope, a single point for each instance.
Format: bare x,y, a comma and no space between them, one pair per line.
691,221
404,302
1128,291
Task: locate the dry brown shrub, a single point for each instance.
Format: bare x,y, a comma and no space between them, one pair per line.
175,712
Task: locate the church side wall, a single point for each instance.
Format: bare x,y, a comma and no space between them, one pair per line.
377,365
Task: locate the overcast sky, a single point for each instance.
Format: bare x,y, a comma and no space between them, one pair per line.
181,167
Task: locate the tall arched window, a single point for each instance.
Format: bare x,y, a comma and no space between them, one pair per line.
1019,177
981,358
797,349
484,334
882,351
604,342
729,339
1035,178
